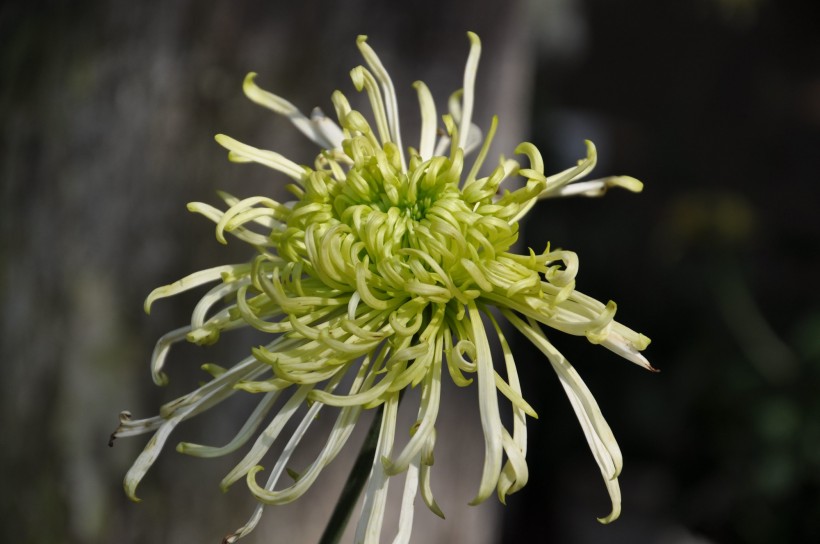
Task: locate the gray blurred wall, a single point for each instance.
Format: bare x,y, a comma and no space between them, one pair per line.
108,111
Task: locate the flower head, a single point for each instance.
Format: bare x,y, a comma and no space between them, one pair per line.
383,268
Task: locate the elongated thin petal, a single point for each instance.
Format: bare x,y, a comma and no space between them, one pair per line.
411,485
488,407
192,281
469,88
598,434
428,120
391,101
247,430
267,158
266,439
428,412
318,128
370,522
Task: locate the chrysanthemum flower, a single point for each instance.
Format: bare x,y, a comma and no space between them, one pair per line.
384,270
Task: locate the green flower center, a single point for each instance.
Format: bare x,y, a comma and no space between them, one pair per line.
405,234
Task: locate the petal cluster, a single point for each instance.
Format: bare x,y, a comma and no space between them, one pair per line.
384,269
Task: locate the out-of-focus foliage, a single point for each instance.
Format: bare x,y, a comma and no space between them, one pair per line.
721,254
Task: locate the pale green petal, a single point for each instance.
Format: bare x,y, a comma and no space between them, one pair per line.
370,522
424,476
245,211
270,159
596,187
614,491
488,408
247,430
194,280
411,485
392,104
584,166
482,154
345,422
363,79
295,438
599,436
206,397
216,295
243,234
515,473
629,349
268,436
318,128
428,120
428,412
470,71
132,427
161,349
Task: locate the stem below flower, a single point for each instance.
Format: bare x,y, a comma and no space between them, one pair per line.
355,482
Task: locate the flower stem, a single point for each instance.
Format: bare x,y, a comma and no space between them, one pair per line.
355,482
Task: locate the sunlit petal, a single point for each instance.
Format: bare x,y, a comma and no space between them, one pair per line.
382,270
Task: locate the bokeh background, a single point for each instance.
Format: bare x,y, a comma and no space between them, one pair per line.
107,111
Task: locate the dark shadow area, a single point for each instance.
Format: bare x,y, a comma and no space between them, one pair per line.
718,112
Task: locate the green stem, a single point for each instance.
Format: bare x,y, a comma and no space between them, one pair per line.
355,482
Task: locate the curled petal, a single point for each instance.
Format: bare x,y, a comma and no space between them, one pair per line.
318,128
379,271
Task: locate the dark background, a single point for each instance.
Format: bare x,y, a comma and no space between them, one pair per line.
106,115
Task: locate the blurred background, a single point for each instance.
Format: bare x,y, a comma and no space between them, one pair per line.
107,111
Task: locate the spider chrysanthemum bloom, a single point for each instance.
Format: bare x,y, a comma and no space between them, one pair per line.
384,269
